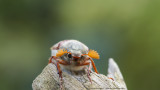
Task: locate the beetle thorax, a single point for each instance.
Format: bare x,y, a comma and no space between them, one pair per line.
75,47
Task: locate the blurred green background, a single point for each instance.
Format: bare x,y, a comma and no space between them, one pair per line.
126,30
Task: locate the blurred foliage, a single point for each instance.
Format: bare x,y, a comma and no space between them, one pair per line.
127,31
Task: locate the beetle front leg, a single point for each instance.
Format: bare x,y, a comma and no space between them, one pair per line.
92,62
58,62
94,67
86,62
60,74
50,60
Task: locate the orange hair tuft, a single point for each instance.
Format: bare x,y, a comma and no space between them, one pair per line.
61,52
93,54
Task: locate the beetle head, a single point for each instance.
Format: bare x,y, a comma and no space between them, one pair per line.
77,54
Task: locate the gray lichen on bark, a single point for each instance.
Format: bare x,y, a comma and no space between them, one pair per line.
49,80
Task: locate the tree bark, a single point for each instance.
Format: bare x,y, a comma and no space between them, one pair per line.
49,80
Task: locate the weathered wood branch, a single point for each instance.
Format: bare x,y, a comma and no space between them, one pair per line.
49,80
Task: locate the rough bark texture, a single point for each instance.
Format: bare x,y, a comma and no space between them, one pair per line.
49,80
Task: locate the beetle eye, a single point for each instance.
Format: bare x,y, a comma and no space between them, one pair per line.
69,55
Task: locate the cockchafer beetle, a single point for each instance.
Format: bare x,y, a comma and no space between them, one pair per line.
72,55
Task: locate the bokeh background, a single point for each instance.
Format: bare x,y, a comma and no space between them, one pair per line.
126,30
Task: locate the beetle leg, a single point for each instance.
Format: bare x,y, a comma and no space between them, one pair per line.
59,70
60,74
86,62
58,61
110,78
94,67
63,62
50,60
